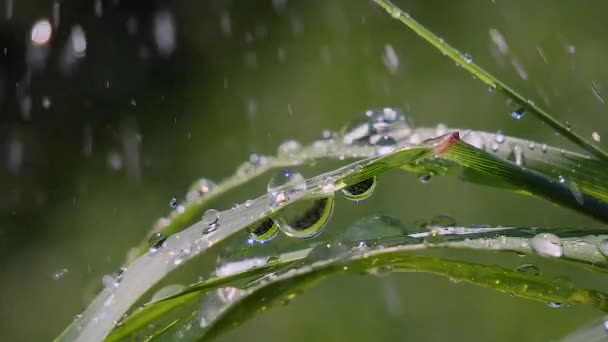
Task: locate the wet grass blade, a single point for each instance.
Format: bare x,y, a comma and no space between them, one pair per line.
467,63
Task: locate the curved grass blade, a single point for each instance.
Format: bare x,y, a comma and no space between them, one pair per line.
490,80
99,318
579,246
285,287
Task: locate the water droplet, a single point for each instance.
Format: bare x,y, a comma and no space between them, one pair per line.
467,58
395,13
603,247
562,179
543,148
263,230
288,148
518,114
499,137
547,245
377,123
199,189
554,305
248,203
492,88
210,221
361,190
173,202
156,241
596,137
528,269
386,144
443,221
60,274
424,177
284,186
305,219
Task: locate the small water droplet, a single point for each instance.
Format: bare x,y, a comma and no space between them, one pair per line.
543,148
248,203
424,177
361,190
528,269
499,137
173,202
199,189
467,58
518,114
210,221
288,148
156,241
603,247
547,245
284,186
60,274
263,230
562,179
305,219
492,88
554,305
596,137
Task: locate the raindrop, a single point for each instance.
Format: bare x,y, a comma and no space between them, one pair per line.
596,137
390,58
263,230
528,269
173,202
603,247
543,148
164,33
41,32
515,109
500,137
360,191
547,245
467,58
386,144
210,220
377,123
288,148
248,203
199,189
424,177
518,114
554,305
305,219
60,274
46,102
562,179
284,186
156,241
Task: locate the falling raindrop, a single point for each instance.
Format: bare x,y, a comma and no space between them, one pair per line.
305,219
210,221
361,190
41,32
597,92
528,269
263,230
390,58
596,137
60,274
164,33
284,186
156,241
547,245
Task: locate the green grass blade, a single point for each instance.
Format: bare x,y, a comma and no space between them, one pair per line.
487,78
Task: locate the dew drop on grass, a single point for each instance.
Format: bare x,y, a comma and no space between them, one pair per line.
554,305
263,230
500,137
305,219
210,221
288,148
603,248
156,241
528,269
547,245
360,191
518,114
284,186
199,189
467,58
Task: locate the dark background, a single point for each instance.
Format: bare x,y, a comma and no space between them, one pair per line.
92,147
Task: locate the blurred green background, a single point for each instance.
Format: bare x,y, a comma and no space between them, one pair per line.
167,92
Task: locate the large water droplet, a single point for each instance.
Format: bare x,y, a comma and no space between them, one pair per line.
528,269
210,221
424,177
284,186
547,245
603,247
263,230
156,241
173,202
377,123
305,219
361,190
